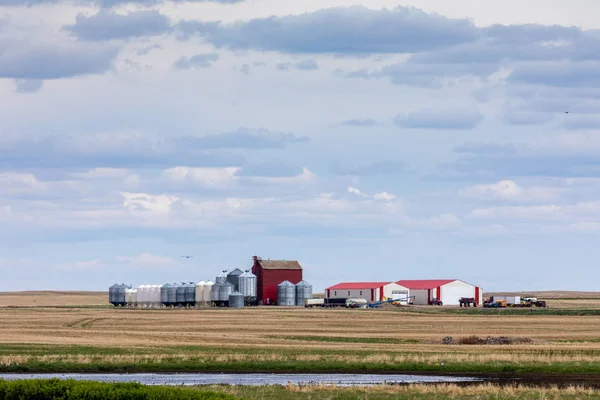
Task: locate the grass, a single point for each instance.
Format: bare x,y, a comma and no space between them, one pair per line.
295,340
412,392
55,389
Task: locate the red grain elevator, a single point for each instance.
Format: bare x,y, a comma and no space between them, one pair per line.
270,273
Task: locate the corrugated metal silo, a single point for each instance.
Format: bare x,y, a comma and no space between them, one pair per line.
190,293
173,295
134,296
304,290
286,294
141,294
112,294
236,300
247,287
200,292
224,291
164,294
222,277
122,294
181,294
215,295
233,278
208,289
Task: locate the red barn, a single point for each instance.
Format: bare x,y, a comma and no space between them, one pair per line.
270,273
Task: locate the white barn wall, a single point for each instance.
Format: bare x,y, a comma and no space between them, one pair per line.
353,293
421,296
453,291
389,289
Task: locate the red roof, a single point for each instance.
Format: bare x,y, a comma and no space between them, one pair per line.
424,283
358,285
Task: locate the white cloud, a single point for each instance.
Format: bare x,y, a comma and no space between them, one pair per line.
147,260
81,265
509,190
384,196
307,177
353,190
205,177
146,202
103,173
545,212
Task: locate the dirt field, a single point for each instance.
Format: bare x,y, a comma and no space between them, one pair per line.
50,298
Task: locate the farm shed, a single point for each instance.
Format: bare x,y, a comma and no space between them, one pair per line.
370,291
270,273
449,291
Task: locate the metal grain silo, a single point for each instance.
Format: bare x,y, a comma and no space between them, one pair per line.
215,295
236,300
286,294
181,294
225,290
247,287
173,295
112,294
190,293
222,277
120,294
207,294
200,292
141,294
164,294
233,278
303,292
134,297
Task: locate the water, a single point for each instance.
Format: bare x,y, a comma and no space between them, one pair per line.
247,379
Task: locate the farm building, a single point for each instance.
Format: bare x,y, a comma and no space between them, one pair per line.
370,291
270,273
449,291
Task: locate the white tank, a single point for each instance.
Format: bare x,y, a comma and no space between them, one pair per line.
156,296
208,291
140,293
134,296
128,296
200,292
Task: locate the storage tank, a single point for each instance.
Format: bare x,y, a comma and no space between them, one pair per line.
190,293
303,292
134,297
128,296
233,278
112,294
236,300
224,291
141,294
286,294
173,295
164,294
181,294
215,295
222,277
208,288
121,293
247,287
200,292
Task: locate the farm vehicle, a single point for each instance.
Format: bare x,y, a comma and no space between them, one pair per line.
467,302
513,302
435,302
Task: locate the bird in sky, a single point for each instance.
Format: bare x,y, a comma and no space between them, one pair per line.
566,112
186,256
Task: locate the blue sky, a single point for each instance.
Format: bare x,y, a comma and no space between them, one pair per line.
377,140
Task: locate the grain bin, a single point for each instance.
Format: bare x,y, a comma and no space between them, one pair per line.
134,297
286,294
233,278
141,294
216,293
247,287
224,291
112,294
164,294
190,293
120,294
303,292
181,294
200,292
222,277
236,300
208,288
173,295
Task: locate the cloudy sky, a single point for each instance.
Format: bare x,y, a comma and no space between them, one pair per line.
370,140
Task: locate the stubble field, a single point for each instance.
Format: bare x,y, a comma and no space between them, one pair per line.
565,349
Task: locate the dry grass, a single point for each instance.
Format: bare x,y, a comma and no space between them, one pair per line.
548,295
51,298
270,334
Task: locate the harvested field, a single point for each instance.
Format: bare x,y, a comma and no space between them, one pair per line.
291,340
50,298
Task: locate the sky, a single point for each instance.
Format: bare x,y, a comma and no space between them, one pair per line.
369,140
